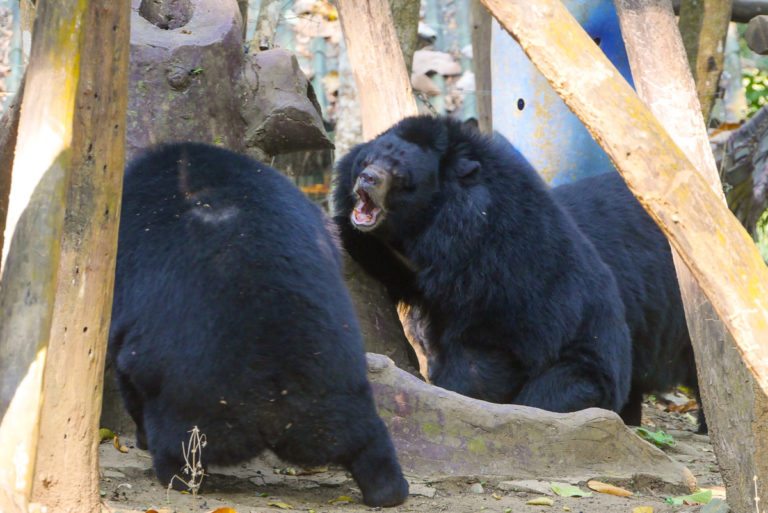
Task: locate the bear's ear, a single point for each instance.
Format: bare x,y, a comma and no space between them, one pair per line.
466,171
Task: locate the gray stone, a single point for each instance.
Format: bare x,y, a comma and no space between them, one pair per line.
421,490
190,80
716,506
279,105
526,485
439,434
476,488
114,474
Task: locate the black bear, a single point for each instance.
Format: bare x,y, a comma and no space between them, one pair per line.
230,314
512,301
638,253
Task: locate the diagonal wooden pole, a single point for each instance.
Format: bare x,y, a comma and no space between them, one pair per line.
711,242
733,406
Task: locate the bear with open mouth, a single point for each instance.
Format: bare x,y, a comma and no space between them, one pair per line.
516,293
515,303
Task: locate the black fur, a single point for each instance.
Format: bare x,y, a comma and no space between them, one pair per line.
514,303
639,256
230,314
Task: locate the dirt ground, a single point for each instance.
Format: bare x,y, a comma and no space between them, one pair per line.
266,484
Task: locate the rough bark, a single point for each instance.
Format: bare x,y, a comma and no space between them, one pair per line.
9,129
481,32
243,6
266,25
69,422
663,81
703,26
385,98
743,10
57,280
715,247
405,16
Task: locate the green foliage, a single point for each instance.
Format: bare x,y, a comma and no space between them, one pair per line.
659,438
762,235
702,496
756,86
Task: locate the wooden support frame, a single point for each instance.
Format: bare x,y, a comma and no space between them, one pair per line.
711,242
58,266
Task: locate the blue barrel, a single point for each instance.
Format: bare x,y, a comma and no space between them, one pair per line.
530,113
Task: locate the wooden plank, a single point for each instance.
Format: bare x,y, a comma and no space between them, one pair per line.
711,242
481,63
704,25
55,298
664,82
383,85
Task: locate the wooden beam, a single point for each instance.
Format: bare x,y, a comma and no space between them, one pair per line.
56,292
704,25
383,85
663,80
481,30
743,10
711,242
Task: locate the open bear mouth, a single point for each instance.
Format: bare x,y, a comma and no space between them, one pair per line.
366,212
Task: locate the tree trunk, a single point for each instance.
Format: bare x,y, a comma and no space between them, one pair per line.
481,32
367,24
56,291
712,243
743,10
405,16
266,25
663,80
9,129
703,26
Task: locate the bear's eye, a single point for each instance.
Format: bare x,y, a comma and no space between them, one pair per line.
400,178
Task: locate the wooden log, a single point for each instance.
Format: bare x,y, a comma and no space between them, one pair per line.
481,63
711,242
405,16
704,25
743,10
56,295
664,82
9,129
368,25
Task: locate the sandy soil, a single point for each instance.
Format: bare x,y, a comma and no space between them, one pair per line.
265,484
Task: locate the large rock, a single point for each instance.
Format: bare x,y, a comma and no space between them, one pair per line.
280,105
440,434
190,80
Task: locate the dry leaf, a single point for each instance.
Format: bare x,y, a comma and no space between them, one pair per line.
718,492
565,490
341,498
642,509
496,496
116,443
541,501
608,488
280,505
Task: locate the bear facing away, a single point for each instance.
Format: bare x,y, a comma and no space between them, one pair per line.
230,314
639,255
514,303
